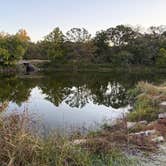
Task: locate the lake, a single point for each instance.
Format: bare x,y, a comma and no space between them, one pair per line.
65,101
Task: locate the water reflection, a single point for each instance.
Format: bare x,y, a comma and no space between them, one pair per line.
92,95
76,90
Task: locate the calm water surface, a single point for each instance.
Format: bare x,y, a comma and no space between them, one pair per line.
71,100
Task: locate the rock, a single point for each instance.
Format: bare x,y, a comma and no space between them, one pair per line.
162,105
145,133
144,122
150,132
131,124
158,139
162,116
79,141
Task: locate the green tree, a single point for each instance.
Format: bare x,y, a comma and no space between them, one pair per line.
12,49
78,35
161,59
23,41
121,35
122,58
4,56
54,44
80,47
101,42
36,51
23,35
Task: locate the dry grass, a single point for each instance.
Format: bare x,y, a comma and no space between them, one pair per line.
21,145
17,144
150,88
119,137
160,126
154,92
3,106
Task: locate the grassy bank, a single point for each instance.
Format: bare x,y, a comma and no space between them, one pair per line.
20,144
146,99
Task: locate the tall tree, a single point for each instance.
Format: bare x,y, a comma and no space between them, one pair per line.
54,44
101,41
78,35
121,35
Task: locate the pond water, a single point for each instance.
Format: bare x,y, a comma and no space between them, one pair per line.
71,100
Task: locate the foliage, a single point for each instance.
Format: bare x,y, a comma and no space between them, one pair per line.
12,47
53,43
102,46
118,46
123,58
4,57
78,35
121,35
161,60
36,51
80,52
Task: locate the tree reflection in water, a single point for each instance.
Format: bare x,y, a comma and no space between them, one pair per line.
76,90
79,96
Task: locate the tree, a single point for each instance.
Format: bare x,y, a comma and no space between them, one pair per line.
23,39
12,49
144,49
36,51
23,35
54,44
78,35
4,56
101,41
161,59
80,47
157,31
122,58
121,35
80,52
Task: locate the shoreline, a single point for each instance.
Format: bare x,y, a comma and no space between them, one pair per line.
101,68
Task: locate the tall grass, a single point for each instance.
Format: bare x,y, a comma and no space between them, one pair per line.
147,98
21,145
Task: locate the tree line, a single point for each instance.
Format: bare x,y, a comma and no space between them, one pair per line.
120,46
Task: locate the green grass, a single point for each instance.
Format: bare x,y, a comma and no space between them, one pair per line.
147,98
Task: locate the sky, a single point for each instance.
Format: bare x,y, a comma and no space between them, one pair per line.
39,17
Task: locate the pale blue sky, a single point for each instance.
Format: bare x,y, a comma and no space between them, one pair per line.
39,17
